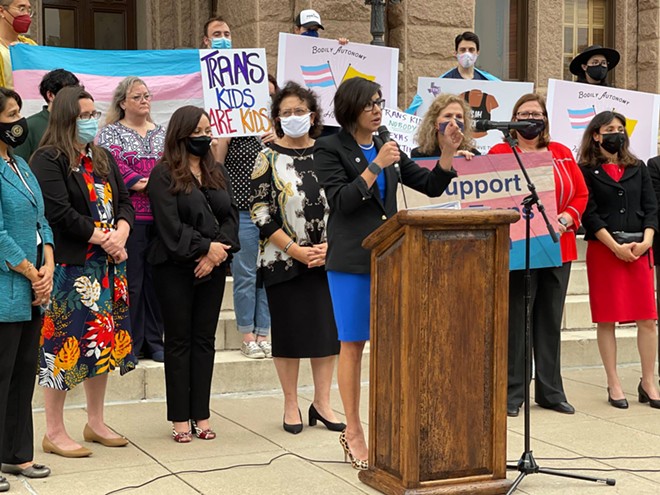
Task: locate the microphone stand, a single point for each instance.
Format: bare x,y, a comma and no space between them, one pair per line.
527,464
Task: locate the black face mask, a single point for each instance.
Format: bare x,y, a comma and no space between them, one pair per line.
613,142
533,130
597,72
14,133
198,146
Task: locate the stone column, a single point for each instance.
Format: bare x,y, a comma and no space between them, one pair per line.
648,63
625,42
545,42
176,24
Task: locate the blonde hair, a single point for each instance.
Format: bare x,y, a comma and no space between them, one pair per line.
116,112
427,133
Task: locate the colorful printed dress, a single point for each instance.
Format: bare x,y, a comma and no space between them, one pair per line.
85,332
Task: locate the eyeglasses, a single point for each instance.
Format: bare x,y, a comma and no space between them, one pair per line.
370,106
528,115
96,115
596,63
298,112
139,98
24,11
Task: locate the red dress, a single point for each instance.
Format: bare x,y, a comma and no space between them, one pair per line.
619,291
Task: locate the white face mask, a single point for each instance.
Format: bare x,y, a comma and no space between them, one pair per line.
296,127
467,59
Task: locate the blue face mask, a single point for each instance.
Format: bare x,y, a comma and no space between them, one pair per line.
221,43
87,130
313,33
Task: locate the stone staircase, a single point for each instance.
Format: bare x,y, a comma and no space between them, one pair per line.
234,373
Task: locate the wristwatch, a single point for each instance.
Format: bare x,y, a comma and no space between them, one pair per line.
374,168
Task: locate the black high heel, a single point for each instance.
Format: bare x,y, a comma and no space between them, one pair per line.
618,403
644,397
295,428
313,415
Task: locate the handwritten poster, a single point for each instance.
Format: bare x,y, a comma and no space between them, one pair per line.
496,181
402,127
323,64
571,106
235,87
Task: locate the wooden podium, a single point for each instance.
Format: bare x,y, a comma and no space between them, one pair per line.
438,371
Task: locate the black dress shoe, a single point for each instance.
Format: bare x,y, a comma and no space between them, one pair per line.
562,407
295,428
644,397
313,416
618,403
512,411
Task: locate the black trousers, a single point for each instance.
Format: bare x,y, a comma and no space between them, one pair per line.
146,320
548,291
190,313
19,346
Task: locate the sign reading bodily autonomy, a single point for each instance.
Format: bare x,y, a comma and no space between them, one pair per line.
172,76
489,100
322,65
496,182
235,84
402,127
571,106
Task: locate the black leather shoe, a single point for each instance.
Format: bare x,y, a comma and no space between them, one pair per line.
618,403
4,484
644,397
562,407
313,416
296,428
512,411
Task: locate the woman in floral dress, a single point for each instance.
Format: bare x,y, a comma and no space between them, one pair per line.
86,332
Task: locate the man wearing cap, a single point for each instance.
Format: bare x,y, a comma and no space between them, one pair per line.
592,65
308,23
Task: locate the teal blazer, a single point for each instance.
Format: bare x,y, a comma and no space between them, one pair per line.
21,215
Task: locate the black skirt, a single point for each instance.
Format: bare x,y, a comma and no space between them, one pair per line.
301,317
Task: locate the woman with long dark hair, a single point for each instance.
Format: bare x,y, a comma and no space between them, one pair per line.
355,169
621,220
86,331
196,232
26,282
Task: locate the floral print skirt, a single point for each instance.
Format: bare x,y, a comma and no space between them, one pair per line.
86,330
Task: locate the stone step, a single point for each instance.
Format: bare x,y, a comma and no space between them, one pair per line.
578,284
577,315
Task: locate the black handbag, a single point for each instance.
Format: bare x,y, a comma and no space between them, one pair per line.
627,237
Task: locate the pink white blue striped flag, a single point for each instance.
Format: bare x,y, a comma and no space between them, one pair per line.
580,118
172,76
319,76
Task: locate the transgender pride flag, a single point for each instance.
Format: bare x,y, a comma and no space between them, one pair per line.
318,76
172,76
580,118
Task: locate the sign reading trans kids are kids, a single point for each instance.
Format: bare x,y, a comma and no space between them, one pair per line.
323,64
235,85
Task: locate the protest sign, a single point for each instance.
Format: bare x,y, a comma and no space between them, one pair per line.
489,100
402,127
172,76
322,65
235,85
496,181
571,106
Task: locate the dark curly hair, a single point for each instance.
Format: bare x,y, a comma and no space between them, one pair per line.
306,95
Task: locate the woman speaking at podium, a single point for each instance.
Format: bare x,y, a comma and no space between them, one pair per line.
359,173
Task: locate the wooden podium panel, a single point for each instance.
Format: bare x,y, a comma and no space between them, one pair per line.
438,353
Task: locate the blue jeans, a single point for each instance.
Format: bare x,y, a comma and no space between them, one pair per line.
250,303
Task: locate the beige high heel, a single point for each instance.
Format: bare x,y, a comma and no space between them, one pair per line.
359,464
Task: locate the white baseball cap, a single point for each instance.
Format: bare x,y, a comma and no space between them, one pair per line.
309,18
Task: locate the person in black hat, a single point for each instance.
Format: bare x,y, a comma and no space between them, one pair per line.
592,65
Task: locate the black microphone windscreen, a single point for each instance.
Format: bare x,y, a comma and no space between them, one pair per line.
384,133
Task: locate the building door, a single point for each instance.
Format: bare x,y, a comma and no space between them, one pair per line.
103,25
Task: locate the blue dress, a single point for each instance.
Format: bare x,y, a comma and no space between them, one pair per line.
351,292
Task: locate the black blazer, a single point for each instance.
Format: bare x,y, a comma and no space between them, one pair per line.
186,224
67,202
654,171
355,210
628,205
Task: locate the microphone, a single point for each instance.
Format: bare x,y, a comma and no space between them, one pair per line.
384,134
487,125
